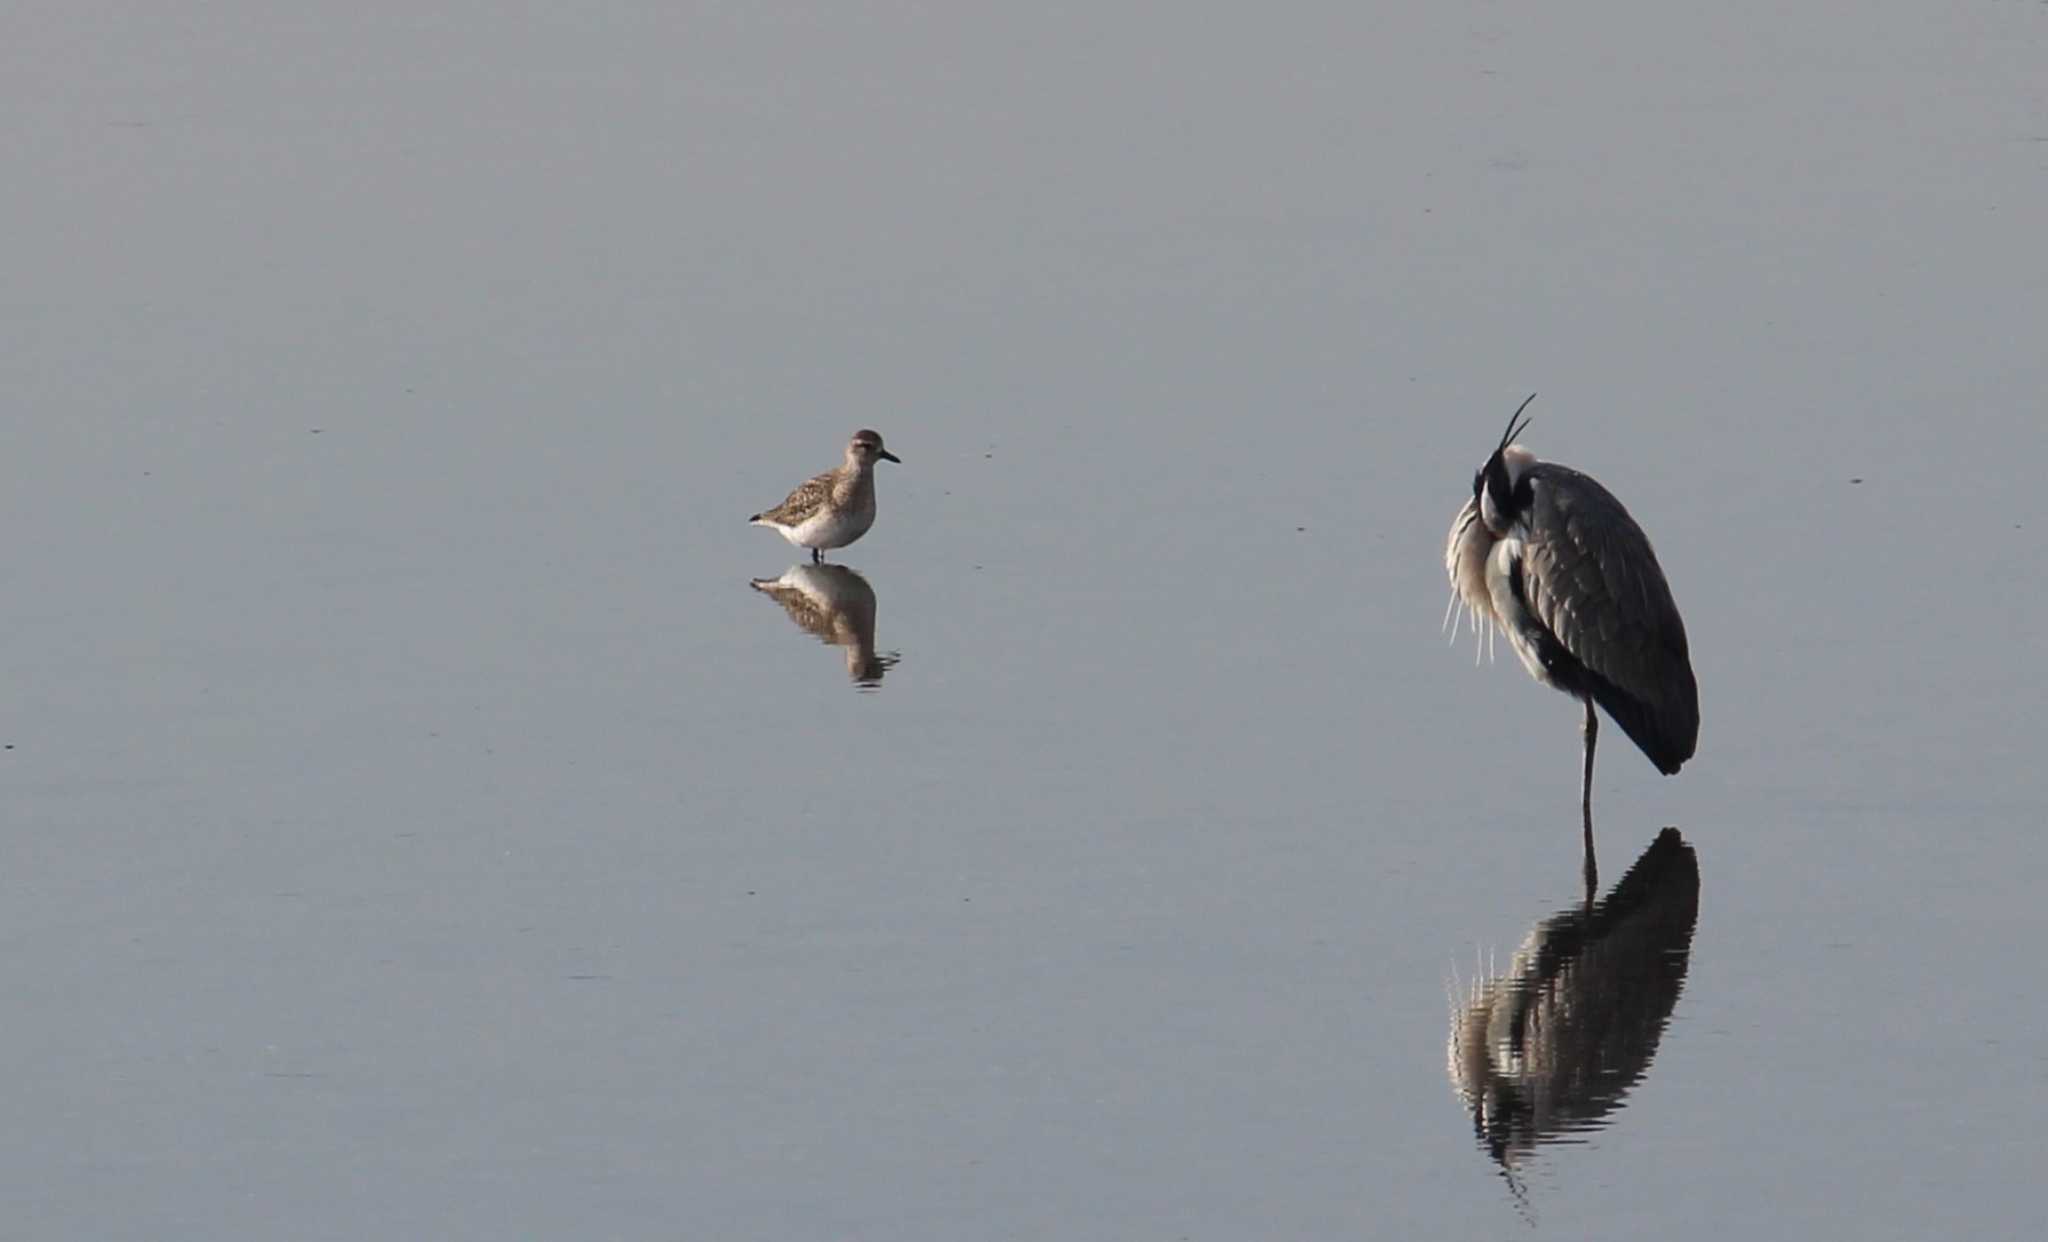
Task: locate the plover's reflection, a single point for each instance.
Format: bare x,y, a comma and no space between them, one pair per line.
837,605
1553,1046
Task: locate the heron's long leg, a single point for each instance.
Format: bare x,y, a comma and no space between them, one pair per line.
1592,731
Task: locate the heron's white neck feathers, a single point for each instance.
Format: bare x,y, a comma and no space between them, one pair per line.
1472,545
1465,563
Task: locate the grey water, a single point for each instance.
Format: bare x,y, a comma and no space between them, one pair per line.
419,823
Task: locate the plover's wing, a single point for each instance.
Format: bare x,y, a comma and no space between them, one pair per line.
802,609
801,503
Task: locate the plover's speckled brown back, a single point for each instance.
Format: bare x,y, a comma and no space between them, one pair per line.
835,508
838,606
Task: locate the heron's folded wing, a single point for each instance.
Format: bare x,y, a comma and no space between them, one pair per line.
1592,579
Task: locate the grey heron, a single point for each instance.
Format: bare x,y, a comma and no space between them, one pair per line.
1547,556
1551,1047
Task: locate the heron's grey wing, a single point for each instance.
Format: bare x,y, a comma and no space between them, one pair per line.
1591,578
807,499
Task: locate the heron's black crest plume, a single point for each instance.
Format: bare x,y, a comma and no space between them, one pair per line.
1493,476
1513,430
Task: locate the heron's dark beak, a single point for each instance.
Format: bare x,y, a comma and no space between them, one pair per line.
886,455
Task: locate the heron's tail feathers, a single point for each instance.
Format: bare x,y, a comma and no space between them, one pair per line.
1667,732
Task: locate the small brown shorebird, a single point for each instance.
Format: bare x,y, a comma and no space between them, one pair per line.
835,508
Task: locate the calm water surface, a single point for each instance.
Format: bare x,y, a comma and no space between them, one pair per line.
423,818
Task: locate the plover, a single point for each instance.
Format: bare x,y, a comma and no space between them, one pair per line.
838,506
838,606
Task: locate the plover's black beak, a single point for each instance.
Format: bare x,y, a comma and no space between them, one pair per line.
886,455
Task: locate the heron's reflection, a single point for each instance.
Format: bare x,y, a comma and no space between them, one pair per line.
1553,1046
836,604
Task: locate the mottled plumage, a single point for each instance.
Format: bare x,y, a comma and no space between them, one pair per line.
836,605
810,496
834,508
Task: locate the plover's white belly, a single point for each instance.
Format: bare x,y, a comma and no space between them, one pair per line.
830,528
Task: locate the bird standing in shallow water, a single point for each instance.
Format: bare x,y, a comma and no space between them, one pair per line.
1550,558
835,508
838,606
